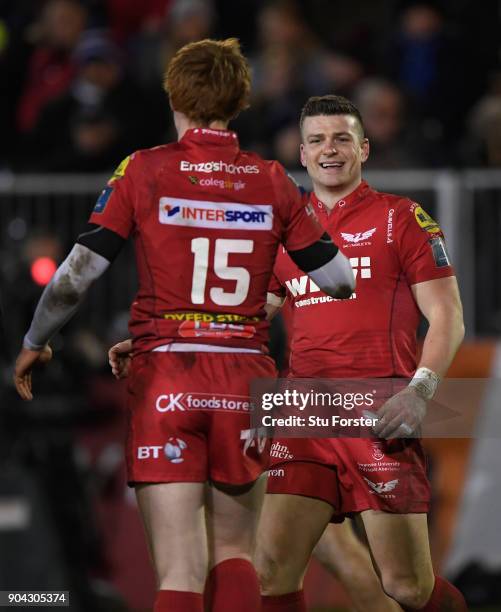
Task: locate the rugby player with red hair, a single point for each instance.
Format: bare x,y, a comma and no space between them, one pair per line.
206,219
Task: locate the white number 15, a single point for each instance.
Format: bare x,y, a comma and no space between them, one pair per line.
223,248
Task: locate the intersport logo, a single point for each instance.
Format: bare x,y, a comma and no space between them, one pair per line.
228,215
217,166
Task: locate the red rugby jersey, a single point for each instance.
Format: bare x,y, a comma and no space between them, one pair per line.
206,219
392,243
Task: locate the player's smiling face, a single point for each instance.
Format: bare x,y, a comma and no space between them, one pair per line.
333,151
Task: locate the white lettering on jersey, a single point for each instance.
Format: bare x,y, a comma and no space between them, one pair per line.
389,227
217,166
304,285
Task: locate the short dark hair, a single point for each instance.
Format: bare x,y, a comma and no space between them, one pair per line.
330,105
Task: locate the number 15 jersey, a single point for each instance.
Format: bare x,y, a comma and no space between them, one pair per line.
206,219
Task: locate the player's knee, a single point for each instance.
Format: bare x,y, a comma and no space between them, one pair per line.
185,575
274,571
267,568
411,591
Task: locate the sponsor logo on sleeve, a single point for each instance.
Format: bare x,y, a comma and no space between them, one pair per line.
103,200
120,170
425,222
216,215
439,251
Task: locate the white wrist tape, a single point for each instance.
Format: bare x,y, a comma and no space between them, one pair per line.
426,382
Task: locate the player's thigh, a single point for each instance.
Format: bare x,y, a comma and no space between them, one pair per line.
235,456
399,546
289,528
174,520
232,514
166,441
339,544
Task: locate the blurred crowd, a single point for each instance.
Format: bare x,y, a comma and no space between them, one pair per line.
81,80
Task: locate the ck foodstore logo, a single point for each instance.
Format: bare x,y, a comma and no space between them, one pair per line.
172,402
172,451
228,215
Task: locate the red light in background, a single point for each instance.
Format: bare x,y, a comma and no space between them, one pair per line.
42,270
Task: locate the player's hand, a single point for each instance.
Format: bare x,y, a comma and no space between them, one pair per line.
401,415
119,357
24,365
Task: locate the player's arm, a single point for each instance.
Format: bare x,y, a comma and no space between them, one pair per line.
87,261
312,250
275,296
327,267
431,278
273,305
440,303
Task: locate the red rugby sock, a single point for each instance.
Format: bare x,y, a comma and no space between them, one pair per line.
178,601
290,602
444,598
232,585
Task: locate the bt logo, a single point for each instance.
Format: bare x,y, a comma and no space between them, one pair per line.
173,450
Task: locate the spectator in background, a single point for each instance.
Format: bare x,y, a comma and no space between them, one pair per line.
291,65
127,18
288,56
185,21
429,61
482,145
51,66
99,119
382,106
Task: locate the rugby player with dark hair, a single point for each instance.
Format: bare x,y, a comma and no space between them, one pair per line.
403,271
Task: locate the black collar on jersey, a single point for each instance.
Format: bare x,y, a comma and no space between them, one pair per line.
208,135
